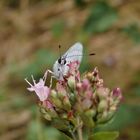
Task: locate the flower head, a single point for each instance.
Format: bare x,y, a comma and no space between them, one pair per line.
79,96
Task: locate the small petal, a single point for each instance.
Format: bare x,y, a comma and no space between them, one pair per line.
31,89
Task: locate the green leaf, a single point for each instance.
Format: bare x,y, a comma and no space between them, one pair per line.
105,136
101,18
35,130
52,134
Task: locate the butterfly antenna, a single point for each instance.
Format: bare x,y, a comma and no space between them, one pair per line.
59,50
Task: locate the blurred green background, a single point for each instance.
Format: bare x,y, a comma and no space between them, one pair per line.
30,32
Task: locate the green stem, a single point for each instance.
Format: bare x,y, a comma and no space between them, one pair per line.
79,129
73,136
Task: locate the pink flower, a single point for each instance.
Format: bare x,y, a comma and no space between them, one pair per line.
117,93
85,84
73,65
60,87
40,89
73,70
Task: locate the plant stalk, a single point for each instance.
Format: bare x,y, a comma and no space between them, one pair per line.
79,129
73,136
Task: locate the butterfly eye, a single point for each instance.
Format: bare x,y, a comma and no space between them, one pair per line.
59,60
65,61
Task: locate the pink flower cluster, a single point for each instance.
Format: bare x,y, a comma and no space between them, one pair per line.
79,96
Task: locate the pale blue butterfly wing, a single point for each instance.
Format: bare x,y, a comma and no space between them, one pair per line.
74,53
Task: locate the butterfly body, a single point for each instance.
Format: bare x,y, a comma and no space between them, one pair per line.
74,53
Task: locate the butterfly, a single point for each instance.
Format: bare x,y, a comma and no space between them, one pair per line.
74,53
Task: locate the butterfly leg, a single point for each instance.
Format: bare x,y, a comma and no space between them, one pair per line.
51,80
51,76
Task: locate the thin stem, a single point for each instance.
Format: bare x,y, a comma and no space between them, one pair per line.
79,129
73,136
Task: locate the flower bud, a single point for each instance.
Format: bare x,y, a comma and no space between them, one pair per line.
79,87
102,117
78,108
71,82
102,92
103,105
66,103
116,92
87,118
56,102
90,113
47,104
72,98
89,76
53,94
42,110
53,113
113,108
47,116
85,84
61,91
86,104
61,95
95,72
105,117
110,101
